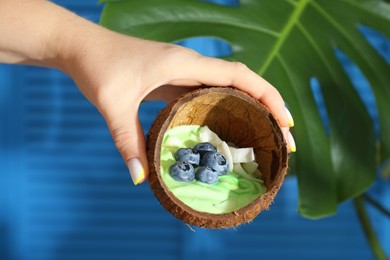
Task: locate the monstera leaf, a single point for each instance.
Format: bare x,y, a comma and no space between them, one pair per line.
290,42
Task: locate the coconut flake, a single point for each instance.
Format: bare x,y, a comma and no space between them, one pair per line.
237,168
242,155
250,167
206,135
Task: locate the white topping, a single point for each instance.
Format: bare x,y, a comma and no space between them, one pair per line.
237,168
242,155
240,171
250,167
206,135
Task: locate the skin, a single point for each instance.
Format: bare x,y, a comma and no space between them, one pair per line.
116,72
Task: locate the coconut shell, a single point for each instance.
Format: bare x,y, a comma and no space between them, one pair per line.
236,117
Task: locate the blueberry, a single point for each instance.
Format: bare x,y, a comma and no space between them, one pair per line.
203,148
187,155
207,175
216,161
182,171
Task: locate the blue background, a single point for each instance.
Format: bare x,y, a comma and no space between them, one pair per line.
66,194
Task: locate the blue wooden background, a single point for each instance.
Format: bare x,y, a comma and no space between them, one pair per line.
66,194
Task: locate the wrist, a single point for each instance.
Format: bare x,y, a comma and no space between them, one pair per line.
68,44
26,29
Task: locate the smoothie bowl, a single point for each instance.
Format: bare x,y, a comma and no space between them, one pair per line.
232,127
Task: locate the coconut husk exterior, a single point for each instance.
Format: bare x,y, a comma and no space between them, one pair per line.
236,117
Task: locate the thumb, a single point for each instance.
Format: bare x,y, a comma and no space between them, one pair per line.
129,139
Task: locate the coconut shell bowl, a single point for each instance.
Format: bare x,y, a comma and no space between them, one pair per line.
236,118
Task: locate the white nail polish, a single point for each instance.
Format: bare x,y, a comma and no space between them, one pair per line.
136,169
291,143
289,117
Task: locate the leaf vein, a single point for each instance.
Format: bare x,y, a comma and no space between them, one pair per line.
320,53
284,34
343,33
235,24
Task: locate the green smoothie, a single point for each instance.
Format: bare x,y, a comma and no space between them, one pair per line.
232,192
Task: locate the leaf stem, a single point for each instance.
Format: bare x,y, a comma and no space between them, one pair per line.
291,22
368,229
376,204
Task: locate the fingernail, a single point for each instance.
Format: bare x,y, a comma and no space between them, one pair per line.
136,169
291,142
289,117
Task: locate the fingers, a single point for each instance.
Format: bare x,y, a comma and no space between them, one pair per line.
291,147
168,93
129,139
217,72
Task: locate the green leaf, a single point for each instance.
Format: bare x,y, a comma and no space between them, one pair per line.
288,43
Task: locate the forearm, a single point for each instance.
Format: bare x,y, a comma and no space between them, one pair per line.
38,32
26,28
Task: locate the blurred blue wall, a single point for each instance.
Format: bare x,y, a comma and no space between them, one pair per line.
66,194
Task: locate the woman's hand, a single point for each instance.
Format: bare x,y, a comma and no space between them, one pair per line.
117,72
